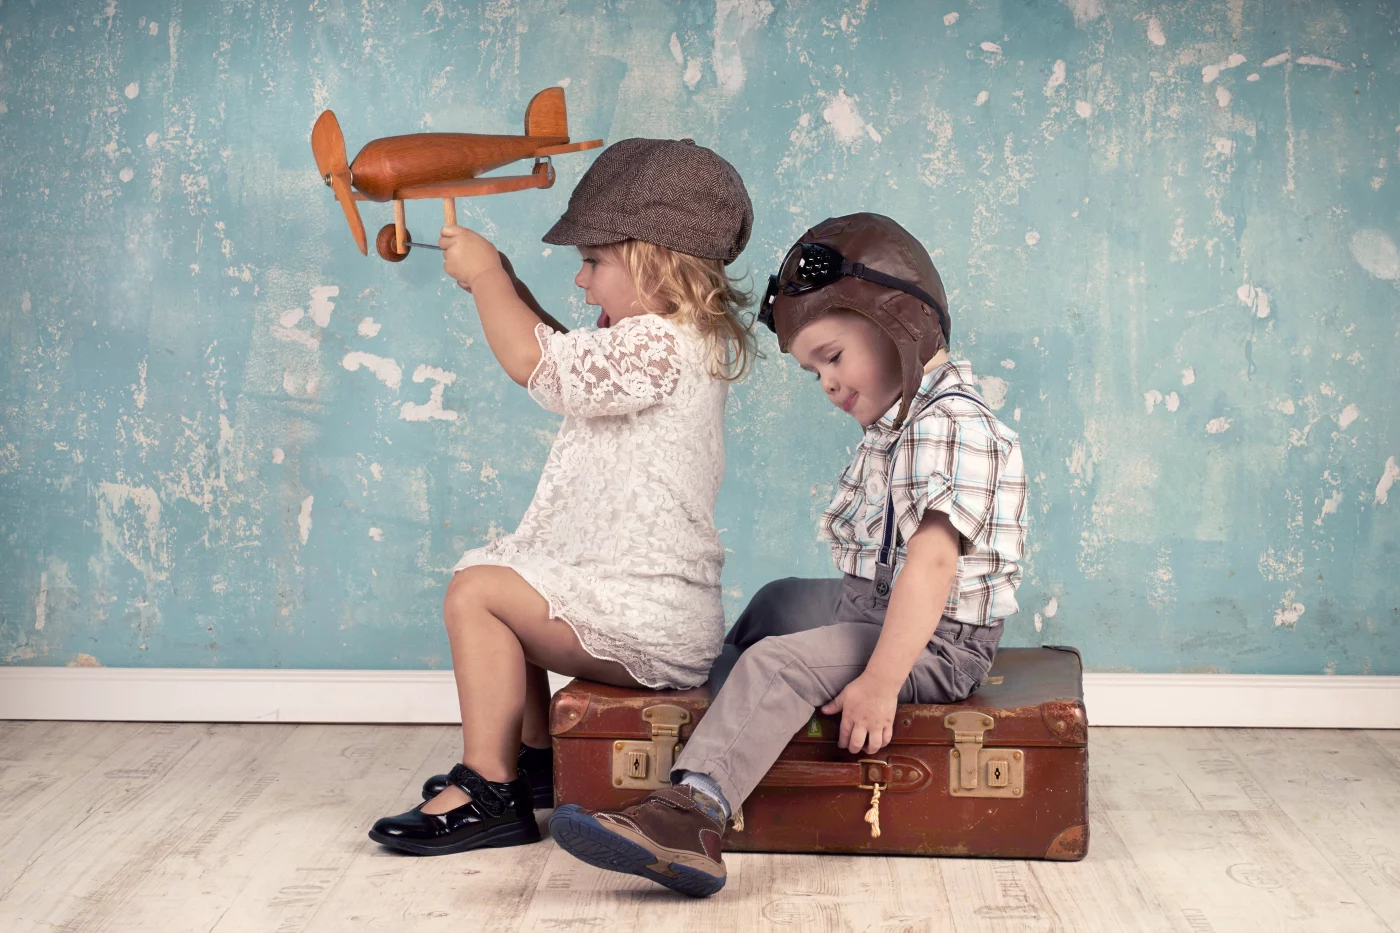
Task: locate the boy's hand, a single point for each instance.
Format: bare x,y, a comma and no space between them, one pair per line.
467,255
867,710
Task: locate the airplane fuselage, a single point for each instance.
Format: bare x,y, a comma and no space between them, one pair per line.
389,165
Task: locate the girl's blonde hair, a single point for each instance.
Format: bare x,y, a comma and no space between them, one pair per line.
698,292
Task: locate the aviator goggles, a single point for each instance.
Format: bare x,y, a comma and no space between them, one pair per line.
810,266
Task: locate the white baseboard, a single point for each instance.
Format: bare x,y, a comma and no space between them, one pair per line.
1258,701
221,695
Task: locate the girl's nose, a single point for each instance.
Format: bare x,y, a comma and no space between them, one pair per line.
579,280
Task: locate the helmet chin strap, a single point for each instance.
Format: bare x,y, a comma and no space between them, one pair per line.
906,397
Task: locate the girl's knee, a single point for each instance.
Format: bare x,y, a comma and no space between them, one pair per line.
463,597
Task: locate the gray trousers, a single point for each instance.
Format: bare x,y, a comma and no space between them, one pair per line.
802,641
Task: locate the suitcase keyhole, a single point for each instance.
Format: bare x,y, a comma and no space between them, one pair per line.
637,765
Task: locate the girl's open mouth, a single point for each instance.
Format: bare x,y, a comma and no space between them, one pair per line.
604,320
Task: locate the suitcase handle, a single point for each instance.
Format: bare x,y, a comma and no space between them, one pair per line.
898,774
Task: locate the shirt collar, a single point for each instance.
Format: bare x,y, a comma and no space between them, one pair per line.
936,380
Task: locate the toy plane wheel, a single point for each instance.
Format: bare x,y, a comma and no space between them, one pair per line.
386,244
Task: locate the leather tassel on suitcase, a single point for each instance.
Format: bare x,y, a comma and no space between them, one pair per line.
1002,774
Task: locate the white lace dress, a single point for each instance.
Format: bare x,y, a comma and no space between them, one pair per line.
620,537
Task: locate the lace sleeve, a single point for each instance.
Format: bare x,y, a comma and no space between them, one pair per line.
624,368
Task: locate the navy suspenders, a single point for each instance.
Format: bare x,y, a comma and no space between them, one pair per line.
884,567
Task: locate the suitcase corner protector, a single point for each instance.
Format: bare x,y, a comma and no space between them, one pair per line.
568,710
1070,845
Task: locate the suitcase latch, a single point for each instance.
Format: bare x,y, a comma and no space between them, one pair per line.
977,771
647,765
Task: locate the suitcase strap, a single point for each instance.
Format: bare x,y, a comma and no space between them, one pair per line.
896,774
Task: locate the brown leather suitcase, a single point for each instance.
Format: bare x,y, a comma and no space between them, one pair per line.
1002,774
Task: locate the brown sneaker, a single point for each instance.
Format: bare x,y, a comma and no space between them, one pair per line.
665,838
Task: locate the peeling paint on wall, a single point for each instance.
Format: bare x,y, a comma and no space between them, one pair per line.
1388,477
129,524
385,370
433,410
1167,232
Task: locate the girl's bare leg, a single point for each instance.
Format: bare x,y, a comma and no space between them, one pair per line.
534,729
498,626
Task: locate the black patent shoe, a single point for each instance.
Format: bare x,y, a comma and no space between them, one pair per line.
499,814
538,765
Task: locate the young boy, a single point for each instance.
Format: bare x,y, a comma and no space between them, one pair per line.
930,513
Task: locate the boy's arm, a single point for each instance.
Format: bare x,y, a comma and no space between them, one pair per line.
508,321
868,703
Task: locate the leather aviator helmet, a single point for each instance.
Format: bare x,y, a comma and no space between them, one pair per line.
873,266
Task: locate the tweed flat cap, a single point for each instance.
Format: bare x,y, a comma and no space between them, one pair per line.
665,191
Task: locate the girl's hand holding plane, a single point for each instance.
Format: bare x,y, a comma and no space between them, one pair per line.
509,313
467,255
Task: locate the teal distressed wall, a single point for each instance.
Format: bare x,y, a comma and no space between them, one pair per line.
1168,232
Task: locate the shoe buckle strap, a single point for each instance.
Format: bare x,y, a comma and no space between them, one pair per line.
487,795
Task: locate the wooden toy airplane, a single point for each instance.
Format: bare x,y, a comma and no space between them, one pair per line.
438,165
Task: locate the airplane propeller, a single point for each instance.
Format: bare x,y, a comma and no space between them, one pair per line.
328,146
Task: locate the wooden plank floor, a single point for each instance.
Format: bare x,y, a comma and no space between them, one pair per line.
261,828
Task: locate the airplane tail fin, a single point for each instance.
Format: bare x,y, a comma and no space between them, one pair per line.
545,115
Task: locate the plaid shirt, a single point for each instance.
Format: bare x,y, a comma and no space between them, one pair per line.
957,458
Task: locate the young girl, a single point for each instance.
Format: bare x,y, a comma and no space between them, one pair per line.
614,572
